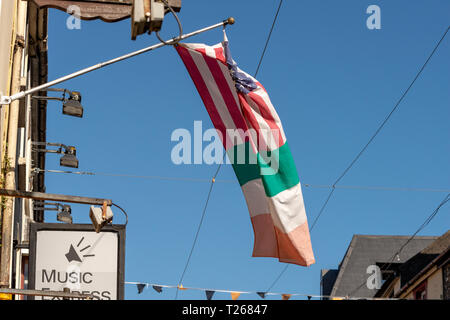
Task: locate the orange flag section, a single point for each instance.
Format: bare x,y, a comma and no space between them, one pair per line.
286,296
235,295
180,287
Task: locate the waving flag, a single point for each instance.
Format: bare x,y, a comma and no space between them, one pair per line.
254,140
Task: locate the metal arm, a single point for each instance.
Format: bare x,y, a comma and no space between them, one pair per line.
53,197
19,95
42,206
52,144
63,98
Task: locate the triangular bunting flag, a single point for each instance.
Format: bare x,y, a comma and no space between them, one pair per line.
209,294
157,289
286,296
235,295
180,287
140,287
261,294
309,297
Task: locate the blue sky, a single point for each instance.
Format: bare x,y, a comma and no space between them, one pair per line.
332,82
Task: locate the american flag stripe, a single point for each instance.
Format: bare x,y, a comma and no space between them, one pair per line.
261,99
270,133
203,90
225,98
224,82
220,56
220,105
253,122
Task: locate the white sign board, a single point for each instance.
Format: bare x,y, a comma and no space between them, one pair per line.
82,260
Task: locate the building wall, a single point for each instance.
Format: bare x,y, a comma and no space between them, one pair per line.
434,286
397,286
23,18
7,14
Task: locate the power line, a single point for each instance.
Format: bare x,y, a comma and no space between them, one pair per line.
278,278
204,180
382,125
199,227
124,175
268,38
377,188
424,224
371,139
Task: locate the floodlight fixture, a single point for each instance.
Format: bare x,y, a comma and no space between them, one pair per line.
69,153
64,211
148,15
69,158
65,215
71,104
100,216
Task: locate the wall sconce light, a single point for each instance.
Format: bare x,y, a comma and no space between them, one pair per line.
64,210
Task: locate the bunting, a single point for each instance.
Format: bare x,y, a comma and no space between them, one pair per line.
157,289
140,287
180,287
261,294
235,295
209,293
286,296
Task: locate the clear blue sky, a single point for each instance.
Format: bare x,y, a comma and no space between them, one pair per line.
332,82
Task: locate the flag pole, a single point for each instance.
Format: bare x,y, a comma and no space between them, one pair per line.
4,100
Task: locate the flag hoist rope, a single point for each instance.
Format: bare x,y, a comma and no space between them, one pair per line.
8,99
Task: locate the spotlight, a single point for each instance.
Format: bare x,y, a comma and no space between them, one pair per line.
69,158
148,15
65,215
71,105
64,211
69,153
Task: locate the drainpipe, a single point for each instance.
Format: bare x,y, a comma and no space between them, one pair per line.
10,175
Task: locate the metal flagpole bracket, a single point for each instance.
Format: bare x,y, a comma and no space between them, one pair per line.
5,100
229,21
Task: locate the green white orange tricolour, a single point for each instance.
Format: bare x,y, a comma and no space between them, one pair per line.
253,137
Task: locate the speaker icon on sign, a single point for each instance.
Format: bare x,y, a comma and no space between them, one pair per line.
73,255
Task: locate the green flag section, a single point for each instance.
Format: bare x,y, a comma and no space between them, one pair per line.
276,168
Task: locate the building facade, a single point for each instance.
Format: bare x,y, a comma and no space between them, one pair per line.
425,276
23,64
360,274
